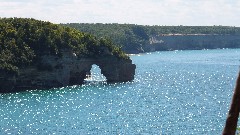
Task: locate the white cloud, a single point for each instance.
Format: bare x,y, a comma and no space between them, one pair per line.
151,12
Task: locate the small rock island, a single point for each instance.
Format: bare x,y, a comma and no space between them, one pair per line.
40,55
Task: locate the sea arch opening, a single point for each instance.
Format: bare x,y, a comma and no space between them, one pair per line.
95,74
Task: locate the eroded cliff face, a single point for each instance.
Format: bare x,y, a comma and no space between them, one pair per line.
191,42
67,70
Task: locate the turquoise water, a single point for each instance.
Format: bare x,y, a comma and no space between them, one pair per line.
175,92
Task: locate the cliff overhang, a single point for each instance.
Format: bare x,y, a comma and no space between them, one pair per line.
54,71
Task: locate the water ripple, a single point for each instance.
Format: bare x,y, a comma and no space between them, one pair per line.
173,93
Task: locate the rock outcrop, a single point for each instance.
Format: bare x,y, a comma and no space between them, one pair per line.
67,70
35,54
192,42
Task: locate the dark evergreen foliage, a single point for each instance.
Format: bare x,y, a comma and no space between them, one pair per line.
23,41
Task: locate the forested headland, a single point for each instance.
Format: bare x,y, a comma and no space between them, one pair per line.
142,38
23,41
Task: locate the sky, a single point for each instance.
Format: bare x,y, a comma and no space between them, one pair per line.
142,12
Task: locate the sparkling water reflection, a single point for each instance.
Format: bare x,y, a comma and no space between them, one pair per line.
178,92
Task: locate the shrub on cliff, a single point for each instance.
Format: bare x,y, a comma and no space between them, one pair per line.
23,41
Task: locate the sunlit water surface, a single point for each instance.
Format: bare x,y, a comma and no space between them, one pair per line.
175,92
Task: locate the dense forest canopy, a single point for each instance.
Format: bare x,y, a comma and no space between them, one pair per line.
95,28
23,41
133,37
127,36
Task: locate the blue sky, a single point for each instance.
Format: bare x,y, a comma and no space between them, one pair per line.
144,12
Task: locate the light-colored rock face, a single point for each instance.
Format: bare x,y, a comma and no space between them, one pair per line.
192,42
69,70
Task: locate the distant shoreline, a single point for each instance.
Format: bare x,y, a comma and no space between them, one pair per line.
135,39
137,54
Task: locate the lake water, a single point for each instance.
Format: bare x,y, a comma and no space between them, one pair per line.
173,93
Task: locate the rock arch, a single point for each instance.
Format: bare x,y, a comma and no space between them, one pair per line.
95,74
113,69
67,70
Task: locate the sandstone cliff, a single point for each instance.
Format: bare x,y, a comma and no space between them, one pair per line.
66,70
40,55
192,42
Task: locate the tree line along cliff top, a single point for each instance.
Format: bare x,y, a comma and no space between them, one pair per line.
24,40
100,28
134,37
